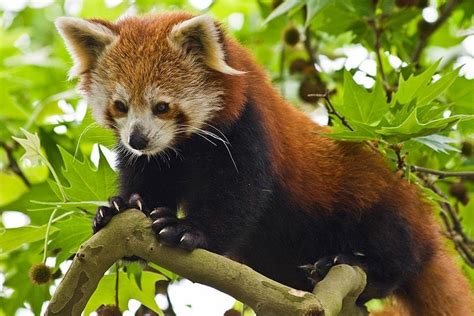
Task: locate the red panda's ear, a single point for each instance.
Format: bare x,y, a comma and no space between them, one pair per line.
200,37
85,40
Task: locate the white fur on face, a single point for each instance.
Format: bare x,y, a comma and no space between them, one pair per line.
198,105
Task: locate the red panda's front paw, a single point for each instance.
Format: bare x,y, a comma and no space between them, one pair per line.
172,231
105,213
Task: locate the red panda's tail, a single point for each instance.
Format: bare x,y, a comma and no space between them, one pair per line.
439,290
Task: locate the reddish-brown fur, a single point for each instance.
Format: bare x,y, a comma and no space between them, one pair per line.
322,172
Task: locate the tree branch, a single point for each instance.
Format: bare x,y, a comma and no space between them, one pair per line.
13,164
425,29
129,234
444,174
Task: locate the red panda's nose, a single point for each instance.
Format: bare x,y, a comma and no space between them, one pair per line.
138,140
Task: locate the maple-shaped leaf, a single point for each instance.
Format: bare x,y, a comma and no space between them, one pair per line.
32,145
361,105
86,182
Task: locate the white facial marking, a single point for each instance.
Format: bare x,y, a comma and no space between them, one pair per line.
198,104
121,94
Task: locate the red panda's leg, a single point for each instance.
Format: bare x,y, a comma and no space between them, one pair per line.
317,271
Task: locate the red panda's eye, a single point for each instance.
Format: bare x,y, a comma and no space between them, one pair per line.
160,108
120,106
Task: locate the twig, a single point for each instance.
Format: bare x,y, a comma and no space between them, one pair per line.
13,164
378,30
397,149
129,234
463,244
331,110
425,29
444,174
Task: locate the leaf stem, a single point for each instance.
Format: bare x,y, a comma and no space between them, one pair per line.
59,204
331,110
46,237
56,178
378,30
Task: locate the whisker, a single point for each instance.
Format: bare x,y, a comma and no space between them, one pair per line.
88,127
210,134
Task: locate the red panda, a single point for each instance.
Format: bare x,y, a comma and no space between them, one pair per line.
199,127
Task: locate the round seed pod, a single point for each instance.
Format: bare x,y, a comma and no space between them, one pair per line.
467,149
40,273
291,36
308,87
459,191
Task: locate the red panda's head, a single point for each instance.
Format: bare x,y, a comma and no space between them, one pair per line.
155,80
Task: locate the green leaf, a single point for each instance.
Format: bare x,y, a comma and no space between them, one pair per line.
128,289
10,108
170,275
87,183
11,188
32,146
428,93
135,269
335,18
283,8
72,232
412,127
438,143
407,89
41,191
14,238
397,20
313,8
349,136
361,105
462,94
362,132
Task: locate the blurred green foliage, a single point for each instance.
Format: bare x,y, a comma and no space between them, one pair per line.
307,46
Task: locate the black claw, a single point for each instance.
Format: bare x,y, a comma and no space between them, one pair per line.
159,224
103,215
160,212
117,203
169,235
188,241
137,202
